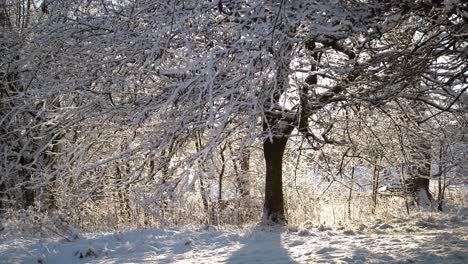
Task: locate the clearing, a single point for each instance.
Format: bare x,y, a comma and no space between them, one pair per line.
432,238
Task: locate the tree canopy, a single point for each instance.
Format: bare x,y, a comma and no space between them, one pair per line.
120,93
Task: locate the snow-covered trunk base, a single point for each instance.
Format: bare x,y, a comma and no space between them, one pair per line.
273,211
425,200
417,190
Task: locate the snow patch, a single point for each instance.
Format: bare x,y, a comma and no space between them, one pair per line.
442,242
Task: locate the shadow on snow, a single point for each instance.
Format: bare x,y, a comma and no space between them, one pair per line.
261,247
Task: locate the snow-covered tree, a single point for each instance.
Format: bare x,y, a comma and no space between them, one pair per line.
119,93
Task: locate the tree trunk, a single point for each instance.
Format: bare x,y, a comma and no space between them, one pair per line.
122,195
204,187
220,178
419,173
375,186
442,187
441,177
29,195
350,196
205,198
419,169
274,202
417,186
278,128
243,180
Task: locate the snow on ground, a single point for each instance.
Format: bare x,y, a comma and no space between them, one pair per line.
425,240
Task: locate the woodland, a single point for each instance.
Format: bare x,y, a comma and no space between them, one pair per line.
118,114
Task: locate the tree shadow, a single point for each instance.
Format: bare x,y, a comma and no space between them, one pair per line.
442,248
261,247
363,255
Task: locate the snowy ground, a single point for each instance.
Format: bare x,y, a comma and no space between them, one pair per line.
426,240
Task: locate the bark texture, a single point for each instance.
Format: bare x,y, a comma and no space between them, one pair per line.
274,201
